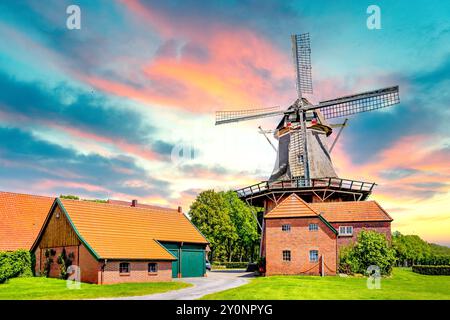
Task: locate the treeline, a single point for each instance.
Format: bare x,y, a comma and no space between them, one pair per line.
229,224
412,250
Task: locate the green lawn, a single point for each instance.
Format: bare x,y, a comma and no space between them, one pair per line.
403,284
51,289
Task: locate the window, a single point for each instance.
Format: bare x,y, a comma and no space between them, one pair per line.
152,267
313,227
313,256
345,230
124,267
286,227
286,255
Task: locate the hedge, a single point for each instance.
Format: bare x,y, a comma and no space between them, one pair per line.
436,260
15,264
230,265
432,270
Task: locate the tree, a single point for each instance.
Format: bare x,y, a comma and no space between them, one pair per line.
245,225
410,249
228,223
371,248
209,213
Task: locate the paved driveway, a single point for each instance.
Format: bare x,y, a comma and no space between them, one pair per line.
215,281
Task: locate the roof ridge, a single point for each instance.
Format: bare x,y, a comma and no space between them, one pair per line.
27,194
116,205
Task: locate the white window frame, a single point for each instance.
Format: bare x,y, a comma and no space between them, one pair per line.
286,227
316,228
346,230
317,257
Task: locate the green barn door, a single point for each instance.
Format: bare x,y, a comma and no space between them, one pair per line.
192,263
175,263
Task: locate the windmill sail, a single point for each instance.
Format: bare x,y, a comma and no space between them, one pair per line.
303,154
243,115
362,102
301,52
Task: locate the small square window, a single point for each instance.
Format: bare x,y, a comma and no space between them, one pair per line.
345,230
313,227
313,256
286,227
124,267
286,255
152,267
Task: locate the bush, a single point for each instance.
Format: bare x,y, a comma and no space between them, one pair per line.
432,270
15,264
371,248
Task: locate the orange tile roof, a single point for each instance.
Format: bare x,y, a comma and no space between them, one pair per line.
292,206
351,211
140,205
21,219
123,232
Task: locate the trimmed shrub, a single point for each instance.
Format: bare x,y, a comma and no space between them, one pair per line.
15,264
435,260
432,270
371,248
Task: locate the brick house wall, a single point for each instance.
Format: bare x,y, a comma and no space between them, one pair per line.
138,272
89,266
378,226
55,271
299,241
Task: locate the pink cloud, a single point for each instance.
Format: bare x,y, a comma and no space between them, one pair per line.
241,69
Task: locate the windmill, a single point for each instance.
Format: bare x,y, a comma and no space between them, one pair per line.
303,158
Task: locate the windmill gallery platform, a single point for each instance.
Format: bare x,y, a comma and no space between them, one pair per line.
310,212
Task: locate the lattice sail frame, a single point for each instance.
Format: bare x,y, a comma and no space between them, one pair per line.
242,115
358,103
301,53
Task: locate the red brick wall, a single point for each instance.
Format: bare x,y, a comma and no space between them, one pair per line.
378,226
138,272
89,266
299,241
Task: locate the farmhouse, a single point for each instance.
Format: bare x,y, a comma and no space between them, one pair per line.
113,243
305,238
21,219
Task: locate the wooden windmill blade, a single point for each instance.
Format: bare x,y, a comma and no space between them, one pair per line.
223,117
357,103
301,53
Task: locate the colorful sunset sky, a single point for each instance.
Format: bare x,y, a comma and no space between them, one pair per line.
99,112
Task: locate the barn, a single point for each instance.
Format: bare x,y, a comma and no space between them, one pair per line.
113,243
21,219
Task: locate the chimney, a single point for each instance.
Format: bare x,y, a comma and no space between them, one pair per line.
180,210
134,203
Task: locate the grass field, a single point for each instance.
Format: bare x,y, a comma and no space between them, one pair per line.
55,289
403,284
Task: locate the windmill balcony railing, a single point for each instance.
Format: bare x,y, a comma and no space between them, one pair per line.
333,183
